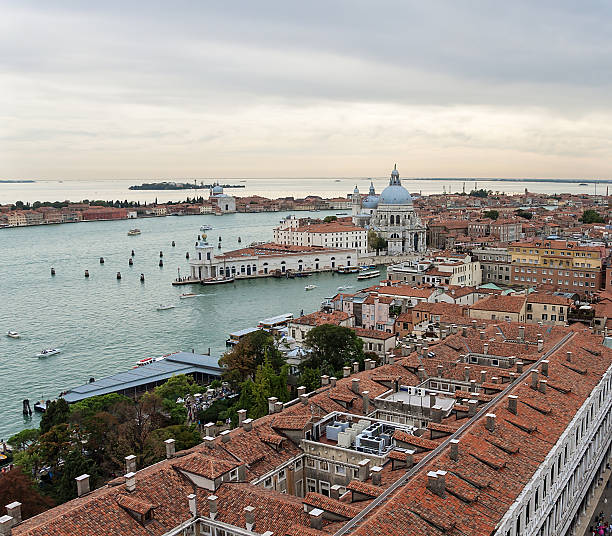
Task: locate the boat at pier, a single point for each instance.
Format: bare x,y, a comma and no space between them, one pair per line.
134,232
217,280
348,270
48,351
369,275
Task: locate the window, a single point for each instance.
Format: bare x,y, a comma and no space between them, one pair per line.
311,485
298,464
310,462
268,483
323,465
340,470
324,488
282,474
234,474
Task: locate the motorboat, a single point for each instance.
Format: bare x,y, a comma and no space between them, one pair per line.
346,287
40,406
48,351
188,295
133,232
206,227
217,280
162,307
367,267
13,334
347,270
369,275
310,287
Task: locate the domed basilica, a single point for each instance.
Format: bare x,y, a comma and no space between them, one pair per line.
391,214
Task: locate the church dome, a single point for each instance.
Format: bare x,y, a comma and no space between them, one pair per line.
395,194
217,189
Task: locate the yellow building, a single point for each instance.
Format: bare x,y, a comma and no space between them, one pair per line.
566,266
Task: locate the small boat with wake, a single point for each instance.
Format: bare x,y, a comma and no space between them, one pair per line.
310,287
187,295
13,334
162,307
133,232
48,351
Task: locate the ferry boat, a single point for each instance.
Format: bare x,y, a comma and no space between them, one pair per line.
13,334
367,267
217,280
369,275
133,232
310,287
348,270
206,227
48,351
162,307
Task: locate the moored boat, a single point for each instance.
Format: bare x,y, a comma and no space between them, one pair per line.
217,280
347,270
369,275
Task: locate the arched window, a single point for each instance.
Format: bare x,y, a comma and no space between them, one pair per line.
391,219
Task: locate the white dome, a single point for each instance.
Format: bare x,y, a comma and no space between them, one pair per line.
217,189
395,195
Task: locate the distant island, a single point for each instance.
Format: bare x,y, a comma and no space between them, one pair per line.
11,181
166,185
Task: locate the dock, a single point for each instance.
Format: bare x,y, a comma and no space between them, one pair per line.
203,368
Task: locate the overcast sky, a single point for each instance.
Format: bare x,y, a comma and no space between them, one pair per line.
119,89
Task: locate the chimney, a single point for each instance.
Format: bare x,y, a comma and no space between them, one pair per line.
425,350
334,492
542,386
534,379
366,402
272,400
304,399
301,390
355,367
346,372
355,386
540,345
454,449
485,348
193,505
225,436
421,373
82,484
568,357
333,381
316,518
472,406
130,481
483,376
464,331
410,458
495,379
247,425
513,404
440,370
366,364
363,469
466,373
474,322
212,506
170,448
544,366
441,483
391,359
521,333
436,414
278,407
242,413
208,429
14,510
519,366
249,517
454,328
490,424
482,335
376,476
325,379
473,386
436,482
6,524
130,464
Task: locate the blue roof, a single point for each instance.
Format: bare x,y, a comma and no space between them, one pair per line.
179,363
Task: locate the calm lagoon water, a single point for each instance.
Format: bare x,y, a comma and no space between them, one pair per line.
103,325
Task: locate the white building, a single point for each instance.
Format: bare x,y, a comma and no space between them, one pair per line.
391,215
443,271
266,259
221,203
342,235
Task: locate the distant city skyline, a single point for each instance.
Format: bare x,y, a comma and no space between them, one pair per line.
277,89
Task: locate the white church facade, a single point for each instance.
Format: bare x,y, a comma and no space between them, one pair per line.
391,214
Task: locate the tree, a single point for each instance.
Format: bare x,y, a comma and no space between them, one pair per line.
24,439
184,436
591,216
491,214
375,241
311,379
523,214
57,412
96,404
329,219
74,464
262,389
332,347
242,361
15,485
479,193
176,387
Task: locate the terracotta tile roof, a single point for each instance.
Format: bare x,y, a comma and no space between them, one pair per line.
206,466
330,505
505,304
136,505
291,422
420,442
319,318
373,334
365,488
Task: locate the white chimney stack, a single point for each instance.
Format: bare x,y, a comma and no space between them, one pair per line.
130,481
170,448
82,484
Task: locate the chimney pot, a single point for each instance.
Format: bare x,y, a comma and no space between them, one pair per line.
130,481
225,436
212,506
490,424
482,335
513,404
464,331
208,429
544,366
82,484
486,348
249,517
193,505
534,379
421,373
355,367
472,406
376,476
316,518
540,345
483,376
301,390
333,381
542,386
346,372
466,373
454,449
130,464
272,400
366,402
242,413
304,399
355,386
247,425
325,379
14,510
391,359
519,366
278,407
568,357
170,448
6,524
